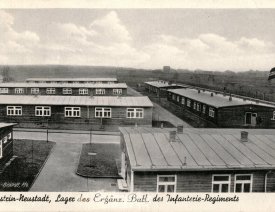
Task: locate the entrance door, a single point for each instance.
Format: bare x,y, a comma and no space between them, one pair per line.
250,118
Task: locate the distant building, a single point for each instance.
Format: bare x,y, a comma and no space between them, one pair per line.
76,112
166,69
72,80
160,160
73,89
6,143
218,109
160,87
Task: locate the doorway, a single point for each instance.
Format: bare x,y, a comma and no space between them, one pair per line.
250,118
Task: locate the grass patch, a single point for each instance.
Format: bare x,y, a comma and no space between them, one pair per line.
103,164
21,173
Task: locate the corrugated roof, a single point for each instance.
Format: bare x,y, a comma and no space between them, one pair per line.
73,79
139,101
7,124
202,149
217,100
162,84
63,85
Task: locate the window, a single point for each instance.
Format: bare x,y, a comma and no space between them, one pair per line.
183,100
243,182
178,98
203,109
19,90
72,111
34,90
198,107
194,105
42,111
188,103
50,90
166,183
100,91
117,91
9,136
173,96
273,115
4,90
1,149
135,112
221,183
211,112
101,112
67,91
83,91
14,110
5,139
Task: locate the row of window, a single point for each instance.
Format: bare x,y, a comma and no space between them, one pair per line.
100,112
82,91
220,183
196,105
3,141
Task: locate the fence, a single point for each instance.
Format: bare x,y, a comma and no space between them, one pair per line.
39,133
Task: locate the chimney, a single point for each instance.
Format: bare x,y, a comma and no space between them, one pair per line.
184,163
244,99
172,136
244,136
212,94
199,90
180,129
257,101
230,98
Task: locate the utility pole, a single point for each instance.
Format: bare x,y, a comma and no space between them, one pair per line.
90,148
32,152
47,130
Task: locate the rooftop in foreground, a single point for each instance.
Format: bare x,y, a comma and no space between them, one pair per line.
218,99
150,149
139,101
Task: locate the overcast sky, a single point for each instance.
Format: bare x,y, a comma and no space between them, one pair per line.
222,39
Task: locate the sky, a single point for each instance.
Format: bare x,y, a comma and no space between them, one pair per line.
208,39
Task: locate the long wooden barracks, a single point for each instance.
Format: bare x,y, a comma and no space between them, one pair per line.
216,109
74,89
160,87
76,112
193,160
6,143
72,80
